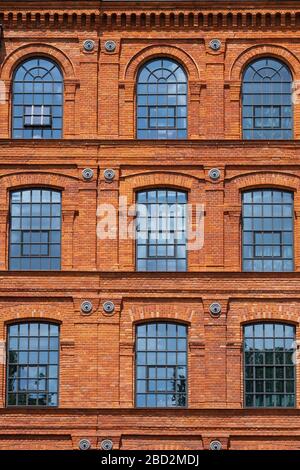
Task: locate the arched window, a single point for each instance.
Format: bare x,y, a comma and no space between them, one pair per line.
269,370
268,230
32,364
35,229
161,365
161,230
162,100
37,109
267,100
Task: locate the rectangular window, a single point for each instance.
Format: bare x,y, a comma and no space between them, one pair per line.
161,365
268,230
35,230
32,364
269,370
161,230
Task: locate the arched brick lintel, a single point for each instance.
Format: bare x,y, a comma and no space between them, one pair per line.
175,53
28,50
290,59
19,179
266,179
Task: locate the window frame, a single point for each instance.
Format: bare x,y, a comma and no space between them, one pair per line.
32,230
28,322
156,322
39,127
253,117
244,191
147,117
146,244
273,365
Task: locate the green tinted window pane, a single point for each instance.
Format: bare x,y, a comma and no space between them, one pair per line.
31,365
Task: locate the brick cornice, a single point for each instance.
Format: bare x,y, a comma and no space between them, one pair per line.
114,15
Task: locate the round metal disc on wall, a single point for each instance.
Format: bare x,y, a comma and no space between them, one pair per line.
110,46
87,174
215,445
109,174
215,44
214,174
106,444
109,307
86,307
89,45
215,309
84,444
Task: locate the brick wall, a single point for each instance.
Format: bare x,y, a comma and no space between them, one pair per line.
96,399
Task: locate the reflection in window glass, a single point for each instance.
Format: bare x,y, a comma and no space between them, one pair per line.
269,368
37,100
268,226
162,100
32,364
267,100
161,230
161,365
35,229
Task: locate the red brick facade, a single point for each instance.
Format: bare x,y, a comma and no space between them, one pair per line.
96,389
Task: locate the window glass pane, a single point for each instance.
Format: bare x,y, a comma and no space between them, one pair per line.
29,370
35,230
267,100
162,369
37,97
161,230
269,380
162,100
267,233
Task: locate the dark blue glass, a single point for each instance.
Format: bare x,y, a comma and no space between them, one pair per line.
35,230
269,370
268,230
32,364
161,230
161,365
267,100
37,100
162,100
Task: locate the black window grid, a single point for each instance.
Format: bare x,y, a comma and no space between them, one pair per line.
164,91
32,365
269,370
268,230
37,82
267,101
161,365
161,235
35,229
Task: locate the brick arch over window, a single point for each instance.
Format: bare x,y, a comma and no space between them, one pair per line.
128,86
137,182
235,75
255,52
278,179
69,78
233,210
130,184
69,188
188,313
260,311
51,310
278,310
151,52
32,50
